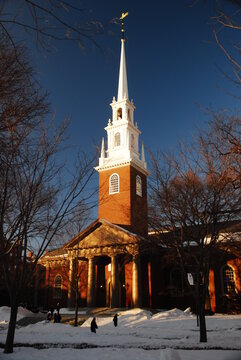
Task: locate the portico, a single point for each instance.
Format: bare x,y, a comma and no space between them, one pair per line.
112,255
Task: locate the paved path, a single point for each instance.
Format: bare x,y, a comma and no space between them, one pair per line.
31,319
69,318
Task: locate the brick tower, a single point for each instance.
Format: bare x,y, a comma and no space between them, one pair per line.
122,171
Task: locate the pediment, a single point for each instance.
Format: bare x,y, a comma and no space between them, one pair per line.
102,233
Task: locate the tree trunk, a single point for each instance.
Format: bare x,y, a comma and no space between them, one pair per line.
76,302
76,314
197,310
203,330
197,300
11,329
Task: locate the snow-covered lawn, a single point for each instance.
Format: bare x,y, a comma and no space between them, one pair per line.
167,335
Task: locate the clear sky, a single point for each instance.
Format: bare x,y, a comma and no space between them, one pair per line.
172,72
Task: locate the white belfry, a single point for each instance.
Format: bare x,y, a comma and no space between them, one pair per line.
122,146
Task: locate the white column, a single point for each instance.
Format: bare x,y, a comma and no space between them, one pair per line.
91,283
136,291
71,283
114,282
128,139
47,296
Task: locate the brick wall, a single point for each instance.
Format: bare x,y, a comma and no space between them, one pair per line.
124,208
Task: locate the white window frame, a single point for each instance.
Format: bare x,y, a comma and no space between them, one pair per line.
225,282
114,189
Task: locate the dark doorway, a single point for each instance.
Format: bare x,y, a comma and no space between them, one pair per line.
101,283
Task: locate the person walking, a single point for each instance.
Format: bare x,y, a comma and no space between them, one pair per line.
58,307
57,317
93,325
49,316
58,312
115,320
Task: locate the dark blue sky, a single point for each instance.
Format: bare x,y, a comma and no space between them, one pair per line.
171,65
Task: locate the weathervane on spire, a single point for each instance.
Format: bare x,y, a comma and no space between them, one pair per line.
123,15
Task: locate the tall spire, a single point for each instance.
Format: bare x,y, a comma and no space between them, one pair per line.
122,145
122,86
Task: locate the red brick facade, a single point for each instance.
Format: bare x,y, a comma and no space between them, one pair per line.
125,208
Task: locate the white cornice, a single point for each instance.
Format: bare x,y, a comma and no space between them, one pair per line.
121,163
120,123
123,102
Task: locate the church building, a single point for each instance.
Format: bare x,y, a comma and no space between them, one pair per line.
114,262
111,256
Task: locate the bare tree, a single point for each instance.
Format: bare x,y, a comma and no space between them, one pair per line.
77,220
223,137
226,27
75,225
191,199
224,133
37,191
47,21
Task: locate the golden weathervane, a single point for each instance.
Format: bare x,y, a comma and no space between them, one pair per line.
123,15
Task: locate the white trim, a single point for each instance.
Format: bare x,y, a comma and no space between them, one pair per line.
120,163
111,192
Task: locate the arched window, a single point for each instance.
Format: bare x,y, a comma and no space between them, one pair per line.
117,139
57,286
119,113
114,184
138,186
228,280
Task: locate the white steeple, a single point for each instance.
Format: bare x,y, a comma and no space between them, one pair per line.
122,132
122,86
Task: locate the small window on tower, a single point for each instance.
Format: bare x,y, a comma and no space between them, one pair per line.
138,186
114,184
119,113
117,139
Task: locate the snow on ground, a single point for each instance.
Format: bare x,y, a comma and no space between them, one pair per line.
119,354
167,335
5,314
